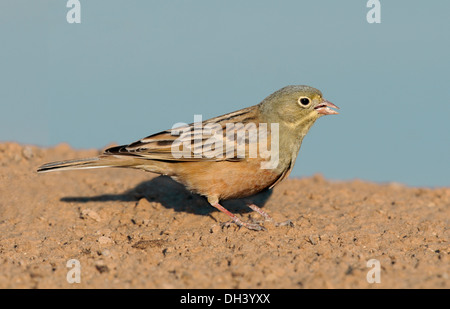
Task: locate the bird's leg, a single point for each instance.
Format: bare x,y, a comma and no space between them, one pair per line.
260,211
267,217
239,222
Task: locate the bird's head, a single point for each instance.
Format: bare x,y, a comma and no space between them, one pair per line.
296,106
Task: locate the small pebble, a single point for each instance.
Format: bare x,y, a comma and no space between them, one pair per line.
104,240
89,213
27,152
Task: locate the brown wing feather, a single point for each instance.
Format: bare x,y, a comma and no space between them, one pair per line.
159,146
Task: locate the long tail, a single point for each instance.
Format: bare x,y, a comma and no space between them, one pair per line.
98,162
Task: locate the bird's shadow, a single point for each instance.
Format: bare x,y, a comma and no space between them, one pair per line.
171,194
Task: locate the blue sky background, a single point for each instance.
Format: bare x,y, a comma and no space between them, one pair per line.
132,68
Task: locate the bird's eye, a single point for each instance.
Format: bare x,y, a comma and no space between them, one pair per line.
304,101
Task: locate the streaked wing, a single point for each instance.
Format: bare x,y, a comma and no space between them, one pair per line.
194,142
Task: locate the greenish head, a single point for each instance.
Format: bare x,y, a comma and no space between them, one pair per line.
294,109
296,105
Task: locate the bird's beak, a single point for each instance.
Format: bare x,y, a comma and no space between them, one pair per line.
324,108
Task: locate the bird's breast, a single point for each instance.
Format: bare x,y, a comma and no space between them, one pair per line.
224,179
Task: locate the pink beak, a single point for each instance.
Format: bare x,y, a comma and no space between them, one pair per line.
324,108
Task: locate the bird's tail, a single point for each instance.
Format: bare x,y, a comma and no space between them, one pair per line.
98,162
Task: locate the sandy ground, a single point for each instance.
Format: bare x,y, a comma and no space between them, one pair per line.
131,229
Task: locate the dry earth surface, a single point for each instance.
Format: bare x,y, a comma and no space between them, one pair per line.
132,229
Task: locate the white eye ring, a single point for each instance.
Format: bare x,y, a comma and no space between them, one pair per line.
304,101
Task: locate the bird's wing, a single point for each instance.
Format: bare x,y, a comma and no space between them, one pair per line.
216,139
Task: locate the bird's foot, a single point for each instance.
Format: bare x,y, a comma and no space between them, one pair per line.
284,223
248,225
237,221
266,216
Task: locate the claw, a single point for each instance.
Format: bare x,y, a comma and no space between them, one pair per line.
269,218
239,222
285,223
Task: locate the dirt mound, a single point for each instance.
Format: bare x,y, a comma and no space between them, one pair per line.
131,229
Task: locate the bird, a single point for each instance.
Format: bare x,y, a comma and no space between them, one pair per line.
232,156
